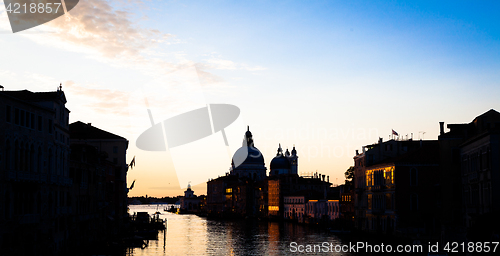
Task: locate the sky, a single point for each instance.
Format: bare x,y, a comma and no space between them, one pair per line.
327,77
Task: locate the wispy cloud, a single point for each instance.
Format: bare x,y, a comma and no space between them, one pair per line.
100,101
97,25
111,33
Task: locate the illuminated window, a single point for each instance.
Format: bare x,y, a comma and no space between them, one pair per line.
229,190
370,202
369,178
274,208
389,175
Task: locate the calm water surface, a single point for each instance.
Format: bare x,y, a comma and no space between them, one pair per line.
193,235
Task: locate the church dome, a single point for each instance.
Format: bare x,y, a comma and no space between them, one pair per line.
248,153
280,162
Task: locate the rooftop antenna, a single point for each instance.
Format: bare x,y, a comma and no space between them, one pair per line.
423,133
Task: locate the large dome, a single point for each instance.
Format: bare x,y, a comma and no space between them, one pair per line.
247,155
280,162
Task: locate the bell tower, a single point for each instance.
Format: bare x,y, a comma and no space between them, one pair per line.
294,161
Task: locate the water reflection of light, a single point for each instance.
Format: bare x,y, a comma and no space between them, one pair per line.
274,237
192,235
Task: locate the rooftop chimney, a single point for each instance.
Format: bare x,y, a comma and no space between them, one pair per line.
441,128
357,152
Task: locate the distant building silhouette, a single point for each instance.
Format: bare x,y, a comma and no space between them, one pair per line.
247,190
190,203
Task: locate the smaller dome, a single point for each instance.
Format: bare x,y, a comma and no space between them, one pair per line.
280,162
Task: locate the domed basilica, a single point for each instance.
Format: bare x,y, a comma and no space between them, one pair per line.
248,161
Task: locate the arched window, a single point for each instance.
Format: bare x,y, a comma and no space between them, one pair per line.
413,177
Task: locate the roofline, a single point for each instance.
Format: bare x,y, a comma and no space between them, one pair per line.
27,102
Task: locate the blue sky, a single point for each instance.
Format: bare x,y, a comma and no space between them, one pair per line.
327,76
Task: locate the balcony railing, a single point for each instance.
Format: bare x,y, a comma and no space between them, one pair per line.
21,176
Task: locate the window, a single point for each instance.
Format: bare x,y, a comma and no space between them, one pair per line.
369,202
28,119
40,123
7,113
389,175
115,149
16,116
50,126
23,117
32,121
369,179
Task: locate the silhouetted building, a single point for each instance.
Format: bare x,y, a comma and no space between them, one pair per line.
276,187
190,203
88,170
294,207
347,205
473,170
248,191
35,187
400,188
248,161
284,163
113,148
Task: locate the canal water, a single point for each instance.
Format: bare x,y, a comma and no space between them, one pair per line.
188,234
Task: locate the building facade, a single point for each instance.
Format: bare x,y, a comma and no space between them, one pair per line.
397,191
113,149
35,187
